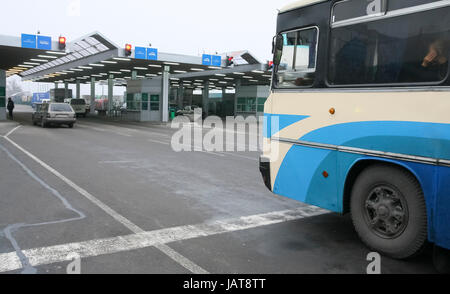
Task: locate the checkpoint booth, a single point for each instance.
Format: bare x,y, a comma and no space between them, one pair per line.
144,101
250,100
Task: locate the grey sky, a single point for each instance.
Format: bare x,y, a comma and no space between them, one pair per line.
175,26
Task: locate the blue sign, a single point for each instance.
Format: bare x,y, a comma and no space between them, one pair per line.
152,54
217,60
207,59
214,60
140,53
44,43
29,41
38,97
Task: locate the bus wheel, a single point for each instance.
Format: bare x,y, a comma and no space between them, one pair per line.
389,211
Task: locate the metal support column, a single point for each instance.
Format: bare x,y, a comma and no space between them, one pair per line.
180,96
134,75
66,90
110,94
56,85
237,89
3,101
206,99
165,94
78,95
92,109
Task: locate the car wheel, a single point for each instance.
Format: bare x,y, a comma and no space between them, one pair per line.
389,212
71,126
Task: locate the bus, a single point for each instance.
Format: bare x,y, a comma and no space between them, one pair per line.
358,119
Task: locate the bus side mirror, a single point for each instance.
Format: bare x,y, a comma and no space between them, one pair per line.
277,49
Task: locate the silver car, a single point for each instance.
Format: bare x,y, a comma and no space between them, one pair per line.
54,114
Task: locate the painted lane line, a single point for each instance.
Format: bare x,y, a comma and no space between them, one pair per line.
189,146
59,253
126,129
121,219
9,230
12,131
104,130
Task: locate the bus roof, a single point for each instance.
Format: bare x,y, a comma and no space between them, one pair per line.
299,4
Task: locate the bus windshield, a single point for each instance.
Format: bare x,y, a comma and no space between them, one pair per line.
298,61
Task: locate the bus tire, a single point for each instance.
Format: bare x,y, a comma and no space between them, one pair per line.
388,211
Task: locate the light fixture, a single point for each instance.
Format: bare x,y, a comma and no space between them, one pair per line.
121,59
47,56
197,69
108,62
154,65
239,73
96,64
56,53
171,63
140,68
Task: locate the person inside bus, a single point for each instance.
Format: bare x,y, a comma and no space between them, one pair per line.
436,62
431,68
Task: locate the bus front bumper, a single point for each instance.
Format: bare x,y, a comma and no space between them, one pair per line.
264,168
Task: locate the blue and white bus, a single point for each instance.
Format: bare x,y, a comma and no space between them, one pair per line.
358,120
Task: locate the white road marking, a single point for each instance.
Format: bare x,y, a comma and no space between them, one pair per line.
158,239
159,142
127,129
116,162
12,131
168,144
121,219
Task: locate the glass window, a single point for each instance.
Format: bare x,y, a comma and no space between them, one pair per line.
63,107
298,61
411,48
144,101
154,103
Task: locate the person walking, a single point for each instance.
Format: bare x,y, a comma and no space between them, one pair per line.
10,108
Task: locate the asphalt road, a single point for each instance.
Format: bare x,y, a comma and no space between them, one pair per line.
118,196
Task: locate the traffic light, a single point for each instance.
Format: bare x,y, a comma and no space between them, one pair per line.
62,43
128,49
230,61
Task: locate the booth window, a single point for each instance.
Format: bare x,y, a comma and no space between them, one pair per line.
407,49
298,61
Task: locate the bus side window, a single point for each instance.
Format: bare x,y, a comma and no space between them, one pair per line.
411,48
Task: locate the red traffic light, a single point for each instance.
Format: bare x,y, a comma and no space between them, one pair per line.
62,43
128,48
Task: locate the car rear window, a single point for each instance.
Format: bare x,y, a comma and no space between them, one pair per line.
61,108
78,102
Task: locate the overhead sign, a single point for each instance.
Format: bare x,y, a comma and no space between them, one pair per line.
36,42
44,43
140,53
212,60
29,41
216,60
152,54
146,53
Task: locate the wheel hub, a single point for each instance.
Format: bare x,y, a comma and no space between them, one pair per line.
386,212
